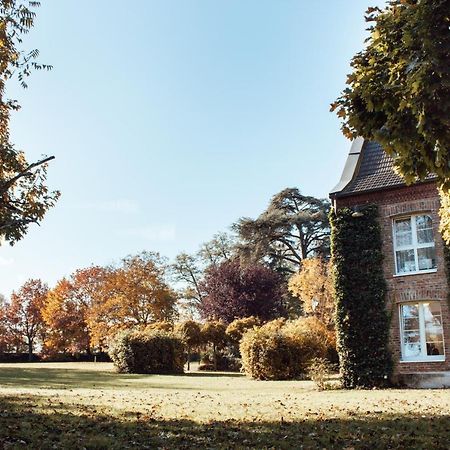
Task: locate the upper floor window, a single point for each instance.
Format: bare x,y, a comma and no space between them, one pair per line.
414,244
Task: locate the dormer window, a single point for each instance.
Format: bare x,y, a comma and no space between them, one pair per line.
414,245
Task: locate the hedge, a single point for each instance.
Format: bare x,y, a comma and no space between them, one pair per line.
282,350
155,351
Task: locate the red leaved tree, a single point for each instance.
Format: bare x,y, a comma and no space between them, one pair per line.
232,291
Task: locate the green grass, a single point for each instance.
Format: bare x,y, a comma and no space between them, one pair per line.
87,405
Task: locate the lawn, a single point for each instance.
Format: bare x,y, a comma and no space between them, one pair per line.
87,405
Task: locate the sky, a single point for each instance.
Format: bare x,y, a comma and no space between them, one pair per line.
171,119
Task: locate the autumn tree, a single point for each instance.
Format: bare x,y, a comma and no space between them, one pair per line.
233,291
313,285
398,93
292,228
190,333
24,319
133,294
213,332
24,197
67,310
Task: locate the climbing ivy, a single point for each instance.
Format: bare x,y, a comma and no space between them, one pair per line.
362,323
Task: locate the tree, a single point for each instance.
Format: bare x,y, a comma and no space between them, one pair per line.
233,291
398,93
24,319
222,247
214,333
313,285
292,228
134,294
186,270
67,310
190,334
24,197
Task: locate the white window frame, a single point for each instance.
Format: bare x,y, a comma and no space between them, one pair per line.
414,245
422,332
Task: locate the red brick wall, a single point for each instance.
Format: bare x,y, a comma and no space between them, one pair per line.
428,286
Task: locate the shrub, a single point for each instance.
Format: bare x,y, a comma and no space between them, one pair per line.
319,370
282,351
147,352
237,328
226,361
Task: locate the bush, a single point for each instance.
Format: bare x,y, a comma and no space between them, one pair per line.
147,352
282,351
225,359
238,327
319,370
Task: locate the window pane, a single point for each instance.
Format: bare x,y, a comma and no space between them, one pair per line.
427,258
424,226
405,261
425,236
410,311
435,348
411,344
403,233
433,323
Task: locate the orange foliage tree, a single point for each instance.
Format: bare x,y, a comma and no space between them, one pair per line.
313,285
134,294
24,321
67,308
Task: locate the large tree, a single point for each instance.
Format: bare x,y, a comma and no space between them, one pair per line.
292,228
24,197
24,319
399,90
67,310
135,293
232,291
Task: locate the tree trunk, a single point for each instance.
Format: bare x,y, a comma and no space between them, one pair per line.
30,351
189,358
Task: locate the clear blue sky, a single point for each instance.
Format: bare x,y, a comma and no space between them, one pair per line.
171,119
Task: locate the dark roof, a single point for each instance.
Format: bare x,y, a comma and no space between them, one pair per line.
372,171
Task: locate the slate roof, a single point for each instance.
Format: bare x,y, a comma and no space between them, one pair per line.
372,171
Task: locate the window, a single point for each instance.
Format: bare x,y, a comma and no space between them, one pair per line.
414,244
421,331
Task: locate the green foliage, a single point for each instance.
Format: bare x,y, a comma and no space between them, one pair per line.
399,91
278,351
293,227
156,352
361,318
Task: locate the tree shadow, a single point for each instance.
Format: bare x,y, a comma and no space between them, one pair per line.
23,424
214,374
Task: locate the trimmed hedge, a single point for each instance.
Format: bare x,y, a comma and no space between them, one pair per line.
362,323
278,351
156,351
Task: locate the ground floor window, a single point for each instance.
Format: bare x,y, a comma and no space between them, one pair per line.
421,331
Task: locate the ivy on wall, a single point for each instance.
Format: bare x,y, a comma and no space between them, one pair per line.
362,323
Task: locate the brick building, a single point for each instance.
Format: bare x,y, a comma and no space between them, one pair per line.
414,266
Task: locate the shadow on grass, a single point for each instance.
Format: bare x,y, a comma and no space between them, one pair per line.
214,374
58,378
24,425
